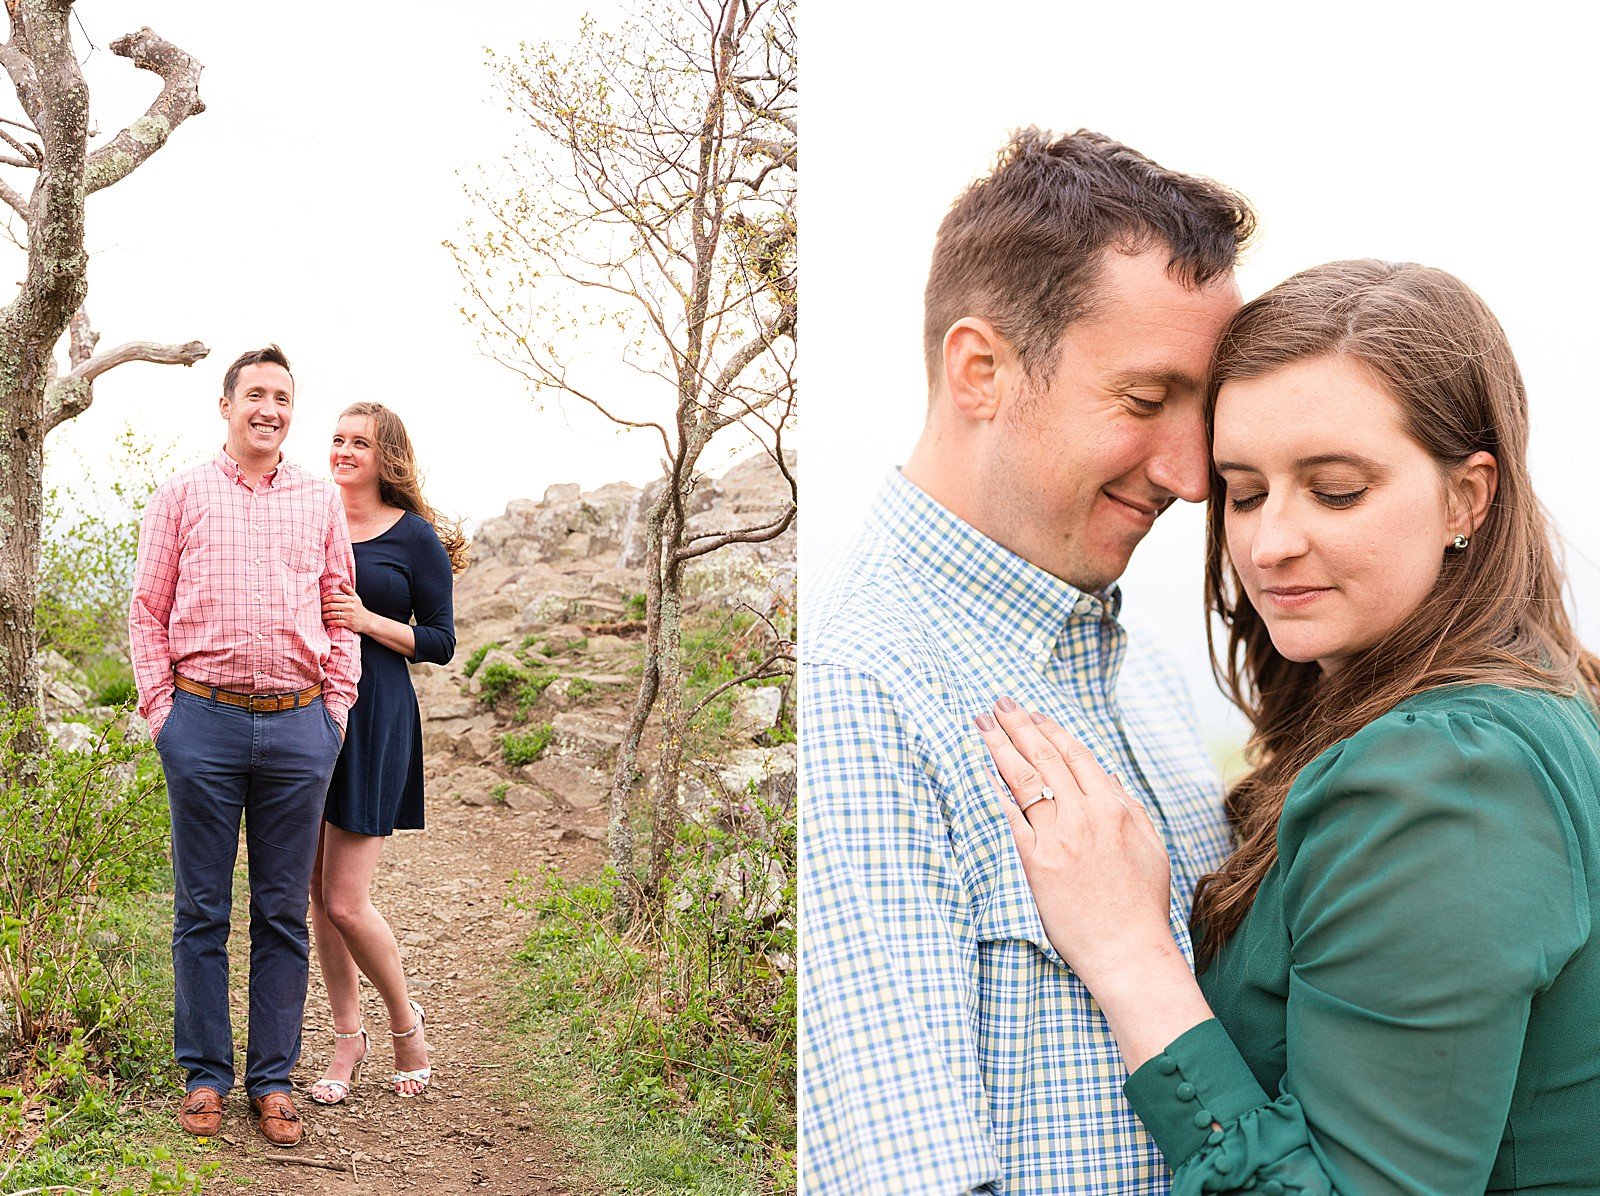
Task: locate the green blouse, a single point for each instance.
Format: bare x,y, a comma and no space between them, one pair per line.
1416,985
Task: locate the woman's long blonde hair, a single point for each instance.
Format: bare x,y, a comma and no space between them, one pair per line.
398,483
1495,614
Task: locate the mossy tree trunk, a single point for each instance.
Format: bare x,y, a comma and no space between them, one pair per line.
36,395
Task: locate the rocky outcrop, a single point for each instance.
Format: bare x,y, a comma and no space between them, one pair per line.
548,619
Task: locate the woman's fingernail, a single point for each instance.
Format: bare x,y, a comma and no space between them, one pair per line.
1037,717
1005,704
985,721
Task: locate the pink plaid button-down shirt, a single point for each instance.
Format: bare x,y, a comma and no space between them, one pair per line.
229,584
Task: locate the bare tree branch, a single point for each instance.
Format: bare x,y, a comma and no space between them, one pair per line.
158,354
71,394
694,546
18,62
179,100
760,672
32,155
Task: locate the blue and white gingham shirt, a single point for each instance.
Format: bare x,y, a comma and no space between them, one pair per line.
945,1046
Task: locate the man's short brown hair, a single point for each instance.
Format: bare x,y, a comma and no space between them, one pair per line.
1023,246
271,355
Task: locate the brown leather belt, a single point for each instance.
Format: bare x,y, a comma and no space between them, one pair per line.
255,703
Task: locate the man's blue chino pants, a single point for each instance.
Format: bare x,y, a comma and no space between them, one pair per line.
222,763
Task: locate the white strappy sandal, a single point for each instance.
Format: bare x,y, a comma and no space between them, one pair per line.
341,1088
423,1074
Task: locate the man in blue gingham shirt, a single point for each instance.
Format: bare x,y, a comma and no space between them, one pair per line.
945,1047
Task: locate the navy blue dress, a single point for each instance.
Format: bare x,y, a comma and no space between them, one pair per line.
377,784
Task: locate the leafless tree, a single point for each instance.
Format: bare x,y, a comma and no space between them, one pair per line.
47,148
650,203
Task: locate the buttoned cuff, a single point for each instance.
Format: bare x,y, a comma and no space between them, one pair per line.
1199,1079
339,714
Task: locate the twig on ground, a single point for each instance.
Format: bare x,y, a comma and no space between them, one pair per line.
290,1161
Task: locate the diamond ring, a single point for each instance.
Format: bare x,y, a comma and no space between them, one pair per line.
1045,794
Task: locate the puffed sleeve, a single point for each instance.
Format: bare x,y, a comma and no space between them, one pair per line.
432,599
1432,887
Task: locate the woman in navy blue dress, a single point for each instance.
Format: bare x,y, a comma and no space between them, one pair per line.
401,608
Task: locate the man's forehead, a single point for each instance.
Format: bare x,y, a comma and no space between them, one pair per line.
266,375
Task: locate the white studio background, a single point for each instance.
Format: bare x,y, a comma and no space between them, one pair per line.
307,205
1461,136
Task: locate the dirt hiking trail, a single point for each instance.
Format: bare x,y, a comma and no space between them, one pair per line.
443,891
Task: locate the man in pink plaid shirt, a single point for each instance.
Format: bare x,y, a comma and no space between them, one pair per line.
246,693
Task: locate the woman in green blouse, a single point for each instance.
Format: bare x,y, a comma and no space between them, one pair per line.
1400,980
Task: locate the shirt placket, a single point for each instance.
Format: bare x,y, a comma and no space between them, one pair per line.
257,574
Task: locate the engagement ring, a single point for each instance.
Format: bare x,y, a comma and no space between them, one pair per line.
1045,794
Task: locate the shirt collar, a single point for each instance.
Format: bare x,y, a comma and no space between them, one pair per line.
1008,593
235,471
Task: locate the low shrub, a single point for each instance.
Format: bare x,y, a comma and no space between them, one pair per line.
83,960
476,658
689,1022
517,749
498,679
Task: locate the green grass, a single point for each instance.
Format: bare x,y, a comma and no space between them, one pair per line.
532,687
638,1094
89,1147
109,680
476,658
518,749
106,1097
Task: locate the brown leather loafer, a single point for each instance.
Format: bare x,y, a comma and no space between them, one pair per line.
200,1113
277,1119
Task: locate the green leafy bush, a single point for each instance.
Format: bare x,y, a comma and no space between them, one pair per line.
532,688
88,541
498,679
82,830
517,749
525,685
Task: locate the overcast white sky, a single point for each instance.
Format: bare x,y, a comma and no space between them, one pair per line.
1457,135
307,206
308,203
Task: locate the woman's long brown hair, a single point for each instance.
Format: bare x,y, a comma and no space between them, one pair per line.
398,483
1495,614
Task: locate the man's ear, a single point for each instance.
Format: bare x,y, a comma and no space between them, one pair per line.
978,364
1473,484
223,405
